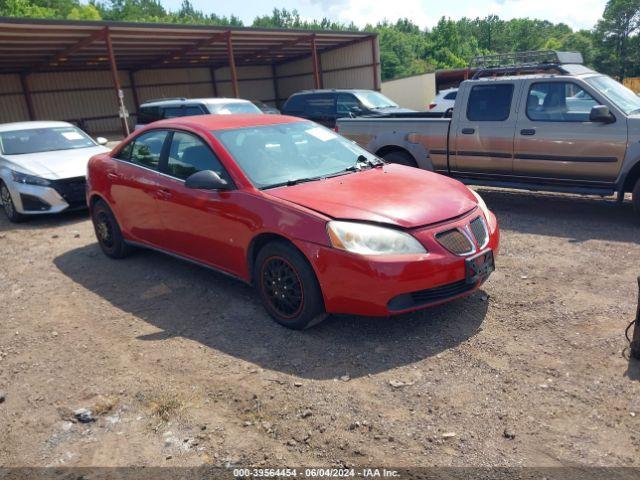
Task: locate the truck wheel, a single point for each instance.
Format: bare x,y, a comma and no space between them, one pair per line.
401,158
636,197
288,286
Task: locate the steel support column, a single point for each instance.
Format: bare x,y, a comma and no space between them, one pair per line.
232,66
116,83
24,81
314,60
374,62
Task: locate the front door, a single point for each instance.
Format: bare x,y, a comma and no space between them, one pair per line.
483,141
199,224
555,139
134,181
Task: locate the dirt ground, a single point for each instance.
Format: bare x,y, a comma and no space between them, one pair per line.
181,366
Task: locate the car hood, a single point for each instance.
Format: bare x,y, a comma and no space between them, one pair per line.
394,194
55,165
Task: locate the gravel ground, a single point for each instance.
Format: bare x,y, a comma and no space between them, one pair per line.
181,366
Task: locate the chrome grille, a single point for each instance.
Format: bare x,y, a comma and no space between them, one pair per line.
455,241
479,231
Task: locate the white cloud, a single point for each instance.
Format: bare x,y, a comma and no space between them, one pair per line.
426,13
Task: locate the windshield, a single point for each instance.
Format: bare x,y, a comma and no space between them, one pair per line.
375,100
233,108
36,140
273,155
625,99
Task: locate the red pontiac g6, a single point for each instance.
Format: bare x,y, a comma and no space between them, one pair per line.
316,223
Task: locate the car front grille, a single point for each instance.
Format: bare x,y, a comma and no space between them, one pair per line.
431,295
72,190
479,231
455,241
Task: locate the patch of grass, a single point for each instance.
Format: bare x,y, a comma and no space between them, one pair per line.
104,405
166,406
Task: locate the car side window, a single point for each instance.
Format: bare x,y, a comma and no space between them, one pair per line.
147,148
189,154
148,115
295,105
172,112
490,103
190,110
451,96
559,102
320,105
347,103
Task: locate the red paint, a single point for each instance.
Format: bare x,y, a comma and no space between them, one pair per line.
217,228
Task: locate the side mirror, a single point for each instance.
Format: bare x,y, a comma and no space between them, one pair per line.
206,180
601,113
101,141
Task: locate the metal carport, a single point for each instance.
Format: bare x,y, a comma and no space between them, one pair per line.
90,72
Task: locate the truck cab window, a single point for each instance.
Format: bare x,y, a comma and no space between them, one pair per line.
559,102
490,103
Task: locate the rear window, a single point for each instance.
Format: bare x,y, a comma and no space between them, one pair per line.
490,103
451,96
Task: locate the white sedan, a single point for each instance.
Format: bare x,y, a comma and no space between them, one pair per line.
43,167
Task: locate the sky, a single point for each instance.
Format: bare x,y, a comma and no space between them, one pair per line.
577,14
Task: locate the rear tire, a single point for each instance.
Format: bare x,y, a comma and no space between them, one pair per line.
108,231
288,286
8,206
401,158
636,197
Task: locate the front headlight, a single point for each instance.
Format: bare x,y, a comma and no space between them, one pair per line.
30,179
481,204
371,240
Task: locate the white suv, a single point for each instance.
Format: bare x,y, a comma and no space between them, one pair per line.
154,110
444,100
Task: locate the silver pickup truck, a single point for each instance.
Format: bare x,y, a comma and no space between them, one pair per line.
540,126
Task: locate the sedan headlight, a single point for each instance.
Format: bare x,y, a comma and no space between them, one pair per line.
30,179
371,240
481,204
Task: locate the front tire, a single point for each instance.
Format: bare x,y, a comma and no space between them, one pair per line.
288,286
108,231
8,206
401,158
636,197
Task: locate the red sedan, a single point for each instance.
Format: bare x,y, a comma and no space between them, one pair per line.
316,223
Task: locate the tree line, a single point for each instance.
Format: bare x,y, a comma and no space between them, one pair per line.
612,46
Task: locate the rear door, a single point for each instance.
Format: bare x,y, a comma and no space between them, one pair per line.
555,139
135,182
202,225
483,136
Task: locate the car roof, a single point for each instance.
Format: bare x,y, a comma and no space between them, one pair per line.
10,127
226,122
333,90
180,101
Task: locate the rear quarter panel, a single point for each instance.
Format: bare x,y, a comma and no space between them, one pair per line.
424,139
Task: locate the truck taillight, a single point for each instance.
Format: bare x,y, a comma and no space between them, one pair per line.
432,106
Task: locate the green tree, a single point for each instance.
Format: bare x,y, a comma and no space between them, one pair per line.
616,34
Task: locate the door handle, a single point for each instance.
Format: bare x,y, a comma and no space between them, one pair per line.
164,194
528,131
468,131
112,176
